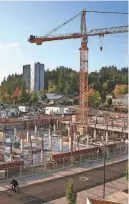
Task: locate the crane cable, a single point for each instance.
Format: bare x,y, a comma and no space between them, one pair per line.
108,12
58,27
55,29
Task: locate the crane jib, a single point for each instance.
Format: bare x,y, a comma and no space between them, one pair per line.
94,32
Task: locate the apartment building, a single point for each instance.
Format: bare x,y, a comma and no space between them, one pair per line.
26,75
37,77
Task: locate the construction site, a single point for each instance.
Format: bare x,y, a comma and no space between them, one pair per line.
46,142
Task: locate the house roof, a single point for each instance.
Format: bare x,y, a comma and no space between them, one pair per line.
53,96
94,201
13,110
50,94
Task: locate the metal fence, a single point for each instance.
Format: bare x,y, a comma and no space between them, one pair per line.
37,166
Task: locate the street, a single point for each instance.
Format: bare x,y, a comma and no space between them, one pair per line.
44,192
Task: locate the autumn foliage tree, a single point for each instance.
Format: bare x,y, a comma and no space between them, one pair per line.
94,97
120,90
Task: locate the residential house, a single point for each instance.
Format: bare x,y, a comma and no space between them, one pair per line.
13,113
57,98
57,110
121,100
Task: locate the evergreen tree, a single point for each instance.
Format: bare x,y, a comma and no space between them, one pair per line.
70,194
34,97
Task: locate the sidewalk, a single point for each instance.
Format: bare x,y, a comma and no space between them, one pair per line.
111,190
60,173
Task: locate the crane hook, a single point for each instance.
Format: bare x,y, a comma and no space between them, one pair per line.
101,42
101,48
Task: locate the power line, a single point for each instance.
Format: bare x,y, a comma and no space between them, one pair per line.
107,12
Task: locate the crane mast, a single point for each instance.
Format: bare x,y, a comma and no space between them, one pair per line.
83,111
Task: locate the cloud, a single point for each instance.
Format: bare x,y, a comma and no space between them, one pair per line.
9,45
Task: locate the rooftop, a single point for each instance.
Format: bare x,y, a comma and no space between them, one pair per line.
54,96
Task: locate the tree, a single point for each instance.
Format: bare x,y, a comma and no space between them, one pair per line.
70,194
65,80
109,101
61,82
93,77
67,88
14,98
110,85
73,82
120,90
11,83
17,91
41,91
43,97
94,97
52,88
6,98
22,95
105,86
34,98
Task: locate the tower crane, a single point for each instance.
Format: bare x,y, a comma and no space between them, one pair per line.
83,110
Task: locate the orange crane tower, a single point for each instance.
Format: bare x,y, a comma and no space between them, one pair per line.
83,56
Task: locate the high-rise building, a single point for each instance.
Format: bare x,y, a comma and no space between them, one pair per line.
37,77
26,75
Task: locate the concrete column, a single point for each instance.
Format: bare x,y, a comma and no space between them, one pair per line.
42,156
70,143
35,128
50,140
107,152
45,164
15,132
27,134
102,138
68,132
57,124
36,135
54,128
61,144
22,145
11,157
95,133
3,138
106,136
74,136
87,140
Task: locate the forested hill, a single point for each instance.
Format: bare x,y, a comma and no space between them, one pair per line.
65,80
9,84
